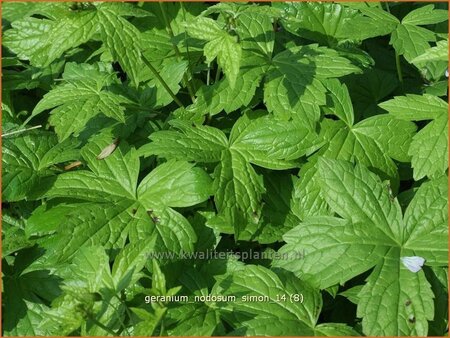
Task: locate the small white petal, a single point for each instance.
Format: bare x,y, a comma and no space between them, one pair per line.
413,263
446,73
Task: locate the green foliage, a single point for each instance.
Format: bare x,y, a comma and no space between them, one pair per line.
372,232
429,147
188,169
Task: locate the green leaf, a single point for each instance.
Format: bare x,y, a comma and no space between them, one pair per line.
220,45
425,15
15,11
372,206
267,140
13,234
415,107
194,320
27,159
88,293
293,84
192,143
335,329
115,175
345,250
221,96
158,279
256,34
429,148
305,156
170,230
411,41
426,220
307,200
361,143
204,29
405,297
90,269
25,294
393,135
78,100
121,38
66,315
374,22
128,264
28,325
439,282
175,184
258,281
339,102
372,230
276,216
133,212
352,144
321,22
172,74
149,321
128,9
430,144
238,191
433,54
228,53
42,41
94,224
265,325
352,293
45,219
256,138
85,185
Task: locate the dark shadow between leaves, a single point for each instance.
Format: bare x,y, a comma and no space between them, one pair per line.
39,286
276,202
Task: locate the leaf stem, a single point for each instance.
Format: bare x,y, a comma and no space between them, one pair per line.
162,328
122,324
125,306
398,64
177,51
191,73
21,131
208,119
27,120
160,79
102,326
217,74
399,68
